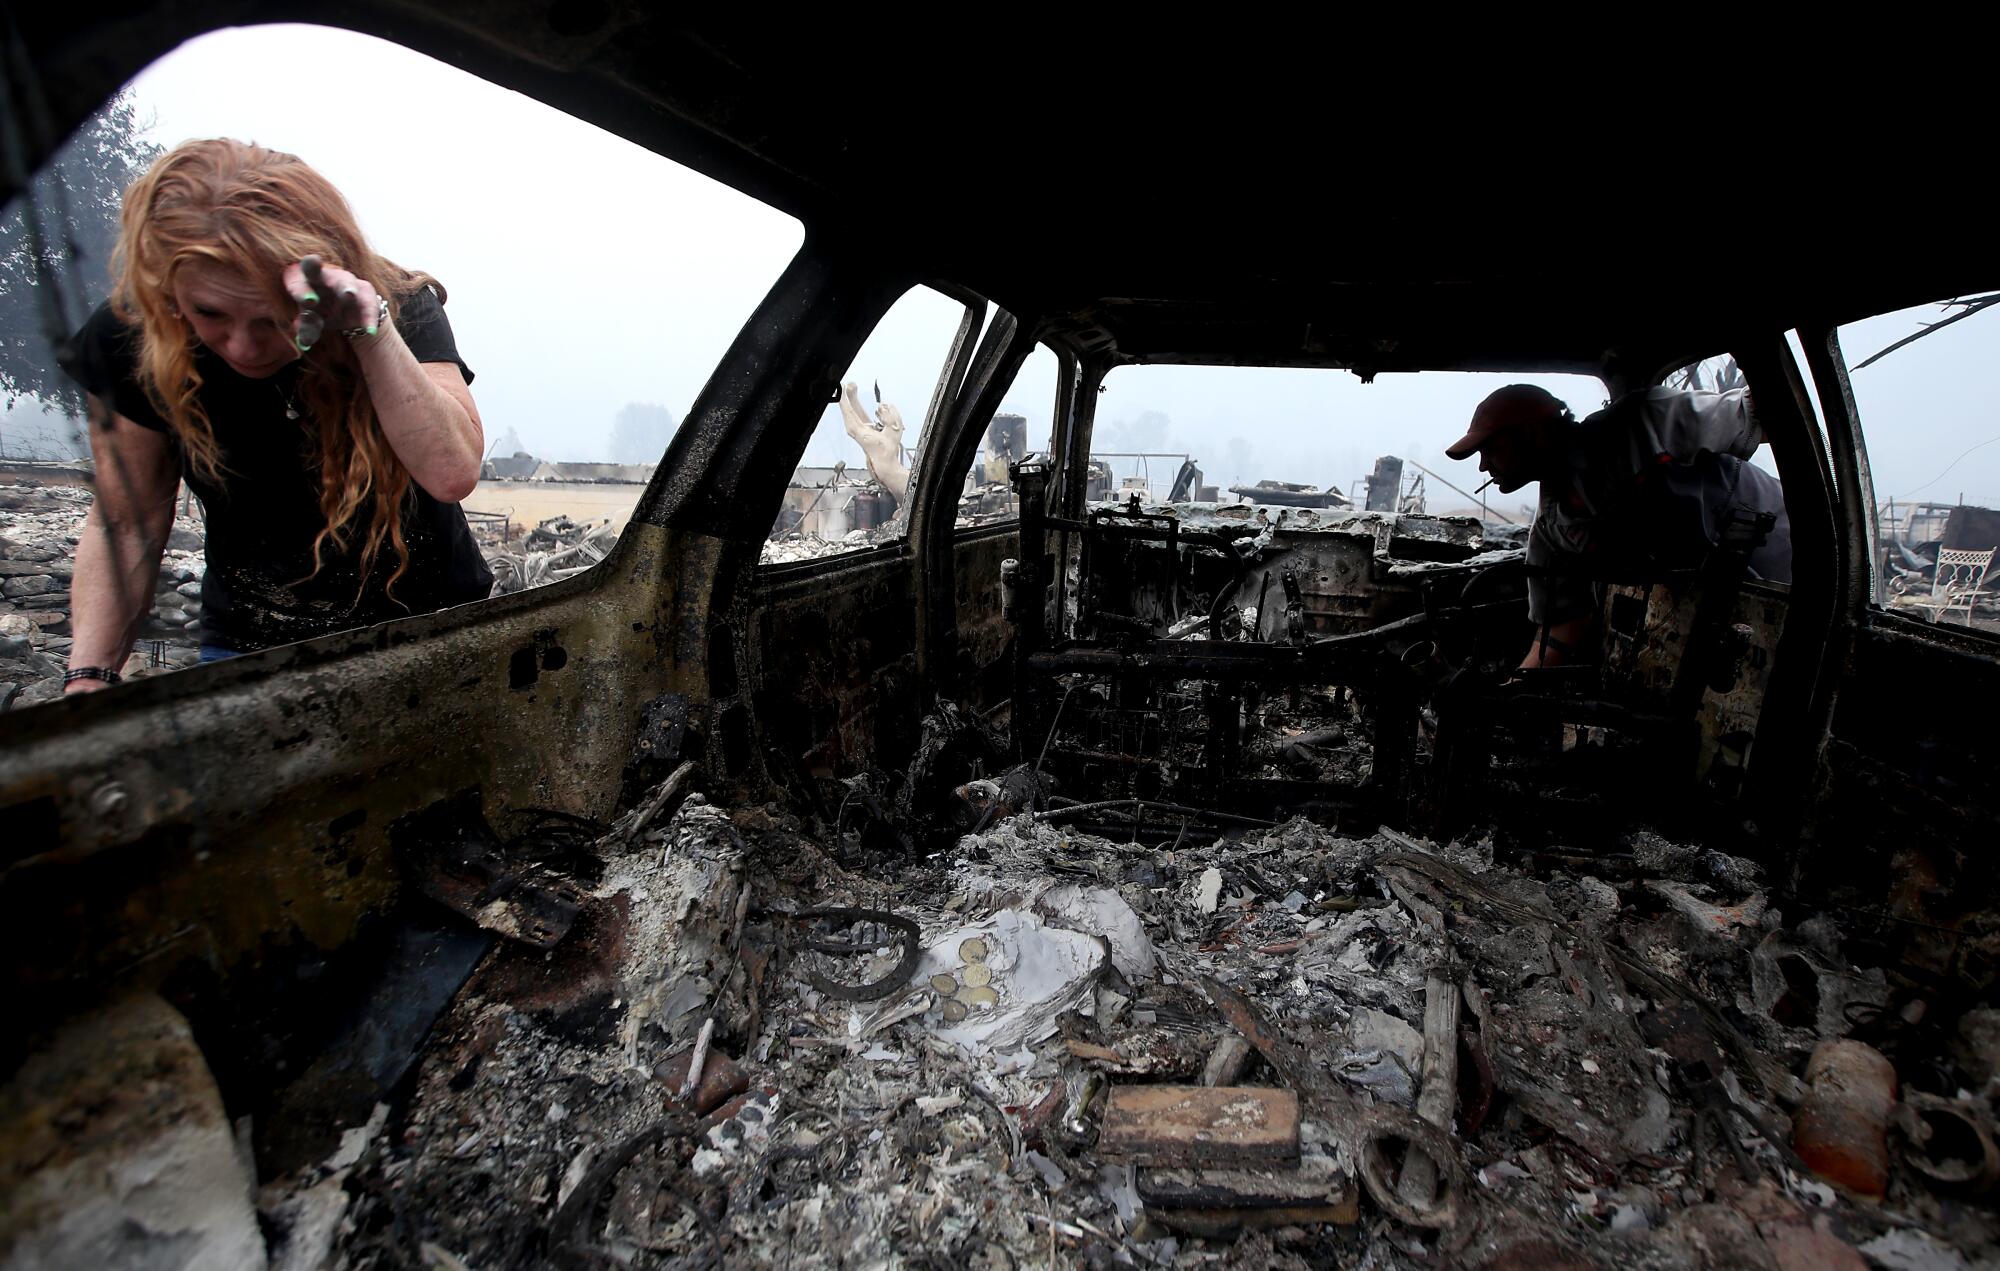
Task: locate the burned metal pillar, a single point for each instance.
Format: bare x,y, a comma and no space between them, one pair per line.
1027,601
1798,704
1865,579
934,494
1076,437
1224,704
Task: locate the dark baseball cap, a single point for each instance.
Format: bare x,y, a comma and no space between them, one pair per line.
1505,408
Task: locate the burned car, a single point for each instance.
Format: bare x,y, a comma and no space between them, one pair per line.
1126,880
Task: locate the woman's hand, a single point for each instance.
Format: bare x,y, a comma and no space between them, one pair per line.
328,296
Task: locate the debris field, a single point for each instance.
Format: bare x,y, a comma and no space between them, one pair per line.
1284,1046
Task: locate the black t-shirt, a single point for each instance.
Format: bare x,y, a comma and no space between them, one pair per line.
259,588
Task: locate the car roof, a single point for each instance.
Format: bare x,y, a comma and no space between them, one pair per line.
1168,193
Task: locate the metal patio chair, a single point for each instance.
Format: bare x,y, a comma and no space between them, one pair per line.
1960,576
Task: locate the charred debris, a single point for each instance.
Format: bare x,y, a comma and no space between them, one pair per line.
748,1042
1266,922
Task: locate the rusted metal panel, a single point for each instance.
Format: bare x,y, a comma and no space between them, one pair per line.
1647,633
1201,1125
241,811
1909,807
983,632
831,665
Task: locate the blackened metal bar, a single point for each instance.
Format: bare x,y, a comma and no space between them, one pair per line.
1169,531
1031,583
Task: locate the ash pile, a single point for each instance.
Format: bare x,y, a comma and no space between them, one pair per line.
752,1040
792,546
555,549
39,527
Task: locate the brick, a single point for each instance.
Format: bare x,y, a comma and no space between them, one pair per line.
1206,1126
758,1103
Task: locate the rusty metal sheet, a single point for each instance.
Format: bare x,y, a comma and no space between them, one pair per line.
456,859
1201,1125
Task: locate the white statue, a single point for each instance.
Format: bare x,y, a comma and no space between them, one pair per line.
880,439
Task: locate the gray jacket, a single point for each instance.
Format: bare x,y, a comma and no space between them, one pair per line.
1652,480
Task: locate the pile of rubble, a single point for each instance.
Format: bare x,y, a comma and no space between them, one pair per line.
1283,1047
39,526
790,546
556,549
797,547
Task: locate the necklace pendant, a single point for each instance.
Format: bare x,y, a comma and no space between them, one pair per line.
291,412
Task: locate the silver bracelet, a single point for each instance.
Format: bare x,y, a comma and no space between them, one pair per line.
381,320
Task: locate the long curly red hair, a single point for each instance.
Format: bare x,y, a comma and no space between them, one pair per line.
253,211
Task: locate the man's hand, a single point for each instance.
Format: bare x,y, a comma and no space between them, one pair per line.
1558,643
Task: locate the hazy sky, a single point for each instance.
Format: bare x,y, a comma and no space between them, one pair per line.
585,273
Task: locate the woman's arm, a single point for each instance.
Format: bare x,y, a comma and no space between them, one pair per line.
118,553
427,414
426,410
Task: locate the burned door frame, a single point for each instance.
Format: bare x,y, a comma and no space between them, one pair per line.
934,537
1795,701
937,558
1903,795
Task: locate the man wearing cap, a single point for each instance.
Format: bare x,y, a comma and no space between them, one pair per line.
1646,485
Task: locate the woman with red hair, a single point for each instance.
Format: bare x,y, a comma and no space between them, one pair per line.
307,389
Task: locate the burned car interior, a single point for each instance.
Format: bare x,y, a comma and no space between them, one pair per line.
1129,881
